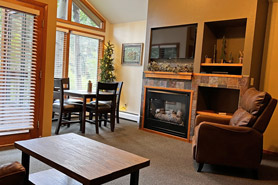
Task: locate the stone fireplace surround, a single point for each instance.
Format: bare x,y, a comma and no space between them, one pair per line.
205,80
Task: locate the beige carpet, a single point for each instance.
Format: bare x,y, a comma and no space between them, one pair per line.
171,160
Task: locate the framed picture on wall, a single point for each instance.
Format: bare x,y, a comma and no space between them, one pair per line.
132,54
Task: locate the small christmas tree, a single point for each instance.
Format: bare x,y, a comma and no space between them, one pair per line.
106,64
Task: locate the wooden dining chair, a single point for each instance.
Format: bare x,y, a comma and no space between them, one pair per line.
66,86
61,107
106,92
118,93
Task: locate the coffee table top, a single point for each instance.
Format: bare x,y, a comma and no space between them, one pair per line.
83,159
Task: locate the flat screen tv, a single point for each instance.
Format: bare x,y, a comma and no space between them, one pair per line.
176,42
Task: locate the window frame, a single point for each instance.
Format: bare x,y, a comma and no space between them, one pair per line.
92,9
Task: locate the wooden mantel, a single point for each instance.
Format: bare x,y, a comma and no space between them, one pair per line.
168,75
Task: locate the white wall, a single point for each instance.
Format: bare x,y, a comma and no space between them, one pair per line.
132,32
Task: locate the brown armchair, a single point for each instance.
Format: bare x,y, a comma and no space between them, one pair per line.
237,141
12,174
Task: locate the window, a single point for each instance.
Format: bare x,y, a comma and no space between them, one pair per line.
83,61
19,66
81,12
62,9
79,43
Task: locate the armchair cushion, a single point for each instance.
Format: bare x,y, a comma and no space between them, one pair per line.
254,101
214,119
242,118
12,174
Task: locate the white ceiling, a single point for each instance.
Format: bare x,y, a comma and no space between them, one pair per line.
121,11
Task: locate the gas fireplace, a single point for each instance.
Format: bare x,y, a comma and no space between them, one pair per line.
167,110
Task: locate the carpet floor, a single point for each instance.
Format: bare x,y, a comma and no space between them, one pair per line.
171,159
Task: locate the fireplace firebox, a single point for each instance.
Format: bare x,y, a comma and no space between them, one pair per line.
167,111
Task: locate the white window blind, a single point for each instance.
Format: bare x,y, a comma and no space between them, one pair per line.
59,54
18,33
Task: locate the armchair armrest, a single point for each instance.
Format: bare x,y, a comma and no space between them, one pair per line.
213,119
228,145
12,174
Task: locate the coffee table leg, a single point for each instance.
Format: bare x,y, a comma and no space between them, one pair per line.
25,160
134,178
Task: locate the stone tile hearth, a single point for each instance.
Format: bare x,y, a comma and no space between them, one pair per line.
239,83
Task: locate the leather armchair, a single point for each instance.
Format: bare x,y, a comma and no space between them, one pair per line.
237,141
12,174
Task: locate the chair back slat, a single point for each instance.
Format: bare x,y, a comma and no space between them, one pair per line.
65,82
107,86
119,90
105,97
106,92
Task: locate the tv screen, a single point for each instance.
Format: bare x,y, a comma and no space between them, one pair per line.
173,42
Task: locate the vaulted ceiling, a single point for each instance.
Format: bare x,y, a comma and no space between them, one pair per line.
121,11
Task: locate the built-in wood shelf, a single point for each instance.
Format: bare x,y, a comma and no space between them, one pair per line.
184,76
222,64
217,75
168,75
212,113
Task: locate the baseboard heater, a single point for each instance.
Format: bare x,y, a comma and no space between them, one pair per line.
130,116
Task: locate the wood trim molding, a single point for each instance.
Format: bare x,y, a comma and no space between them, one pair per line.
220,64
168,75
79,29
164,134
90,35
144,107
19,7
66,55
169,89
69,10
270,152
183,76
79,25
217,75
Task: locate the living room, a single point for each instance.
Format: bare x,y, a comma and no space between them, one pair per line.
206,77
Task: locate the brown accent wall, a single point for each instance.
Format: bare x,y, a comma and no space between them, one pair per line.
163,13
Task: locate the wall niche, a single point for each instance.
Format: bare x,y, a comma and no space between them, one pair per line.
234,33
223,101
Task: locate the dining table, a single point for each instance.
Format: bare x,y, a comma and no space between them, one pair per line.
84,95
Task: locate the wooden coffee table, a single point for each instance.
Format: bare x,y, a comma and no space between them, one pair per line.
78,160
